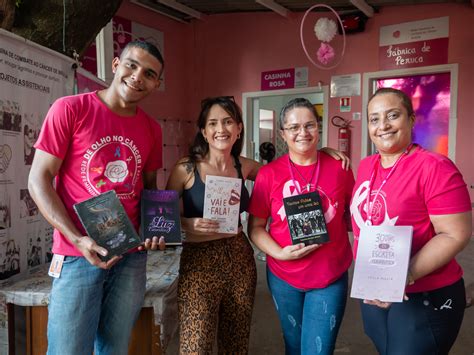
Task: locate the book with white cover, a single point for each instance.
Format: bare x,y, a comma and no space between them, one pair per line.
381,266
222,202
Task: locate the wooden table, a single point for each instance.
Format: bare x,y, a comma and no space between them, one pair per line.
154,328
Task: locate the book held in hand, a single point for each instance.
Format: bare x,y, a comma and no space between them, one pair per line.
160,215
381,266
305,217
222,202
106,221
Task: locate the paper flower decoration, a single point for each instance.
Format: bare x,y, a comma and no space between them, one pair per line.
325,53
325,29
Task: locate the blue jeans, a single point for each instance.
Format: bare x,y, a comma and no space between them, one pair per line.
310,319
95,309
428,323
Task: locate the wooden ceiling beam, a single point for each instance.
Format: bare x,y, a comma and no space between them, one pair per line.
272,5
364,7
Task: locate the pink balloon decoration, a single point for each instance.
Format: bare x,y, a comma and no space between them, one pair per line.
325,53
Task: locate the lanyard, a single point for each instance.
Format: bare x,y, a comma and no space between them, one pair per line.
372,179
309,184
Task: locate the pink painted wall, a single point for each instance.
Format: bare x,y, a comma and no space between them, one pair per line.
171,102
225,55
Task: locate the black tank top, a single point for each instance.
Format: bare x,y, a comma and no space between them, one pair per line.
193,198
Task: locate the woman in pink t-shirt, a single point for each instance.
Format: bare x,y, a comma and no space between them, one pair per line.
308,282
405,185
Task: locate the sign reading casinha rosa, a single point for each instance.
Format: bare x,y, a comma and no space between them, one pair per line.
284,79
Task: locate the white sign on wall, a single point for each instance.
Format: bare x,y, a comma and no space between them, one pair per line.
31,78
345,85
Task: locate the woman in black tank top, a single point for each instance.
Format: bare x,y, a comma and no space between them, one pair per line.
217,276
212,296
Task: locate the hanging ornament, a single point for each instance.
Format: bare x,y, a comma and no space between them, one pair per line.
325,53
325,29
327,56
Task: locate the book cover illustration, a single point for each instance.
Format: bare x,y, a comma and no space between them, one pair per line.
222,202
160,215
381,266
106,221
305,217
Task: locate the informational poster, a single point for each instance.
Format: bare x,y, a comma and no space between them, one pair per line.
345,85
31,79
414,44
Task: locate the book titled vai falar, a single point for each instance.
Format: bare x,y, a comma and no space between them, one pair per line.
305,217
222,202
106,221
160,215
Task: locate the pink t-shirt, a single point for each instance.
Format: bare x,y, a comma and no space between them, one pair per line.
101,151
423,184
326,264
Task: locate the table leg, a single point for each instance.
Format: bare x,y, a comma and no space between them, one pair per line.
11,328
144,340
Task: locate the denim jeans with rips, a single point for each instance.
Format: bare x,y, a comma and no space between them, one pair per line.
95,309
310,319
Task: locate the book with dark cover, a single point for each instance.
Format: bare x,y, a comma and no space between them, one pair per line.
160,215
106,221
305,217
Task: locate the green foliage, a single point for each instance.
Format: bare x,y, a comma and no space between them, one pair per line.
18,3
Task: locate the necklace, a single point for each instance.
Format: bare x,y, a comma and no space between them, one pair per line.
372,179
306,181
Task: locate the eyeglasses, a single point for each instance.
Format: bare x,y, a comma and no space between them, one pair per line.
310,127
214,100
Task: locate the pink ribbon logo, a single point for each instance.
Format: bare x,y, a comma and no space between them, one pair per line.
329,214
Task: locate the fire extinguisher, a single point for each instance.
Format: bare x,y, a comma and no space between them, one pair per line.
343,135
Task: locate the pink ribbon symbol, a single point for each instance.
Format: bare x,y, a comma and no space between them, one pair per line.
329,214
287,193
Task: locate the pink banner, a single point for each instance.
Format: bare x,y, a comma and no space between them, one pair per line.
278,79
414,54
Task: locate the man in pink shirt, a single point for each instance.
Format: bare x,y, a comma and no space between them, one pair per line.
89,144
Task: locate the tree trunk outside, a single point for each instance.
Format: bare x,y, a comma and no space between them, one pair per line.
7,13
43,21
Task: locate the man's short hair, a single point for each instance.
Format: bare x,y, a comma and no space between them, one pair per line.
147,46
